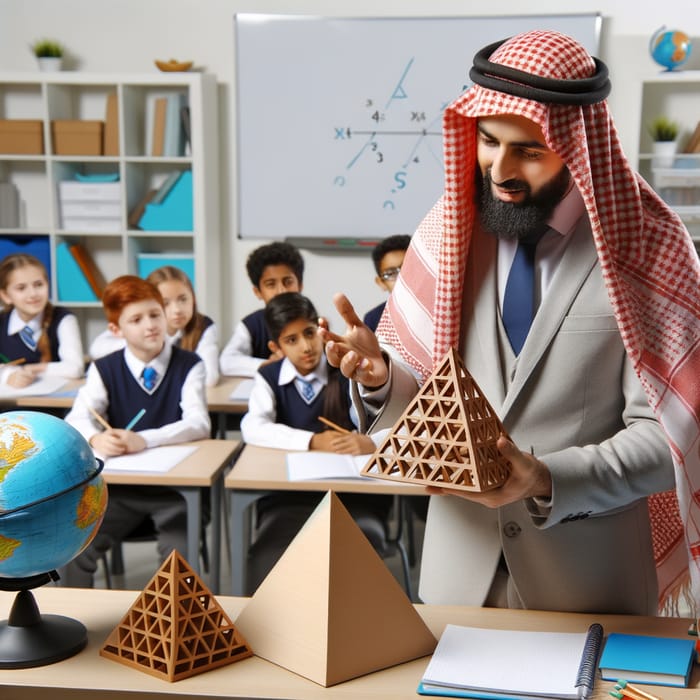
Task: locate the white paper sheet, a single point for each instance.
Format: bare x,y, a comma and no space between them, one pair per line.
156,460
42,386
242,391
302,466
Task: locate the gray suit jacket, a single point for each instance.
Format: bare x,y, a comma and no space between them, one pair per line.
573,396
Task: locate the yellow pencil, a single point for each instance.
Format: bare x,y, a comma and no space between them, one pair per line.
18,361
632,691
100,419
333,425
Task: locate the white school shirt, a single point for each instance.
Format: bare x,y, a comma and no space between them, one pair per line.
259,425
194,424
207,348
70,364
236,358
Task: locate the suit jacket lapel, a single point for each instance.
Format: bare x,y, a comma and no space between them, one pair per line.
481,278
579,258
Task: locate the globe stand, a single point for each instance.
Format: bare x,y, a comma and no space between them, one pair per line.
28,638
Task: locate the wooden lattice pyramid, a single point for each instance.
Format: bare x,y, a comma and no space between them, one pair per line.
175,628
446,436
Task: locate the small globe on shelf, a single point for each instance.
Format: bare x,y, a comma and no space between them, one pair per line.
670,48
52,501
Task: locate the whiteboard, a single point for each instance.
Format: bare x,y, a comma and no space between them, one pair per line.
339,120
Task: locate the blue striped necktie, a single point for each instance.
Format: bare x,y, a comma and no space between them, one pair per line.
307,390
149,376
27,336
519,297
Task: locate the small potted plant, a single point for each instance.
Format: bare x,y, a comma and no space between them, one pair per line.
49,54
664,133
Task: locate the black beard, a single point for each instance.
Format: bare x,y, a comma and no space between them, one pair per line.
515,221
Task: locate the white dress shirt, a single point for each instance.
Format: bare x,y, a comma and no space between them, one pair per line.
237,357
194,424
70,364
259,425
207,348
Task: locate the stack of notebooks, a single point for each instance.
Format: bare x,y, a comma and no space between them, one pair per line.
472,662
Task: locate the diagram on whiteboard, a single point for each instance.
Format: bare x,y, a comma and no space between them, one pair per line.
399,136
339,120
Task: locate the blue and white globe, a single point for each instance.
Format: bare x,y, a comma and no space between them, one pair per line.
670,48
52,494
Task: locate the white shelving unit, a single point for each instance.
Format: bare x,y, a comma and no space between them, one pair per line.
83,96
676,95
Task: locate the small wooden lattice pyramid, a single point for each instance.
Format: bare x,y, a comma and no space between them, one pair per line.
446,436
175,628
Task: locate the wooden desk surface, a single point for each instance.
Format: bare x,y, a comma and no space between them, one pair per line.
88,675
218,396
63,398
265,468
201,468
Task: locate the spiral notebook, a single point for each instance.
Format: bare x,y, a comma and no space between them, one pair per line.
472,662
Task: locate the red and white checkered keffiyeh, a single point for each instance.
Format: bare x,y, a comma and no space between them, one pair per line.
647,257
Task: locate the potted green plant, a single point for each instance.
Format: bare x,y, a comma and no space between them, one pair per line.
664,133
49,54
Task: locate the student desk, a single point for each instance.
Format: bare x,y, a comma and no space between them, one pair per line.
259,470
88,675
219,401
62,399
204,468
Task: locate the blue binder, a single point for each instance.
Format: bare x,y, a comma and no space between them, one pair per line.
71,282
174,211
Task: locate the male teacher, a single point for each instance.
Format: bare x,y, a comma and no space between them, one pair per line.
571,292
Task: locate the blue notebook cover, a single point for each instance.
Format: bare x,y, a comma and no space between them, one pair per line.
641,659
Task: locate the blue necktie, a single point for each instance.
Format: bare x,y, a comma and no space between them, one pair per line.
307,390
27,337
149,376
519,297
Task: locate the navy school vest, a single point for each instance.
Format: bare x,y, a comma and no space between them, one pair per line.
12,347
127,396
293,411
259,336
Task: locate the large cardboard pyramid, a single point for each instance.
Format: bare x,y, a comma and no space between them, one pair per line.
175,628
330,609
446,436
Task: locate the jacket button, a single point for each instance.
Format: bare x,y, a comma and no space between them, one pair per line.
511,529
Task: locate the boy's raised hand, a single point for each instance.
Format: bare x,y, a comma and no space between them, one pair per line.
357,353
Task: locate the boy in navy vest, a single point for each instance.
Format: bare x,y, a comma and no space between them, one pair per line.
287,399
149,375
273,268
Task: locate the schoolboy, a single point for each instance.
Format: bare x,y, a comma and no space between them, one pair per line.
387,257
151,374
272,268
287,399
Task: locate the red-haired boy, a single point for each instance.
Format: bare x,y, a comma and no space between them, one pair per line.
151,377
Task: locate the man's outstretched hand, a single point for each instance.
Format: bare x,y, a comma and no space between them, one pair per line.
357,353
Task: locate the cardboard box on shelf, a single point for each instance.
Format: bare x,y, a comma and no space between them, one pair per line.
76,137
22,136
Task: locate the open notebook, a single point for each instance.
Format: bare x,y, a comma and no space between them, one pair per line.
513,664
302,466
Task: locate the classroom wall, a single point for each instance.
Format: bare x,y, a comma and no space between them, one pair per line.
126,35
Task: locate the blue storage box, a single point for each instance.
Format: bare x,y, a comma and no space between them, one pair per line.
147,262
38,246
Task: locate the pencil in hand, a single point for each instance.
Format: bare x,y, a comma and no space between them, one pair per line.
335,426
100,419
